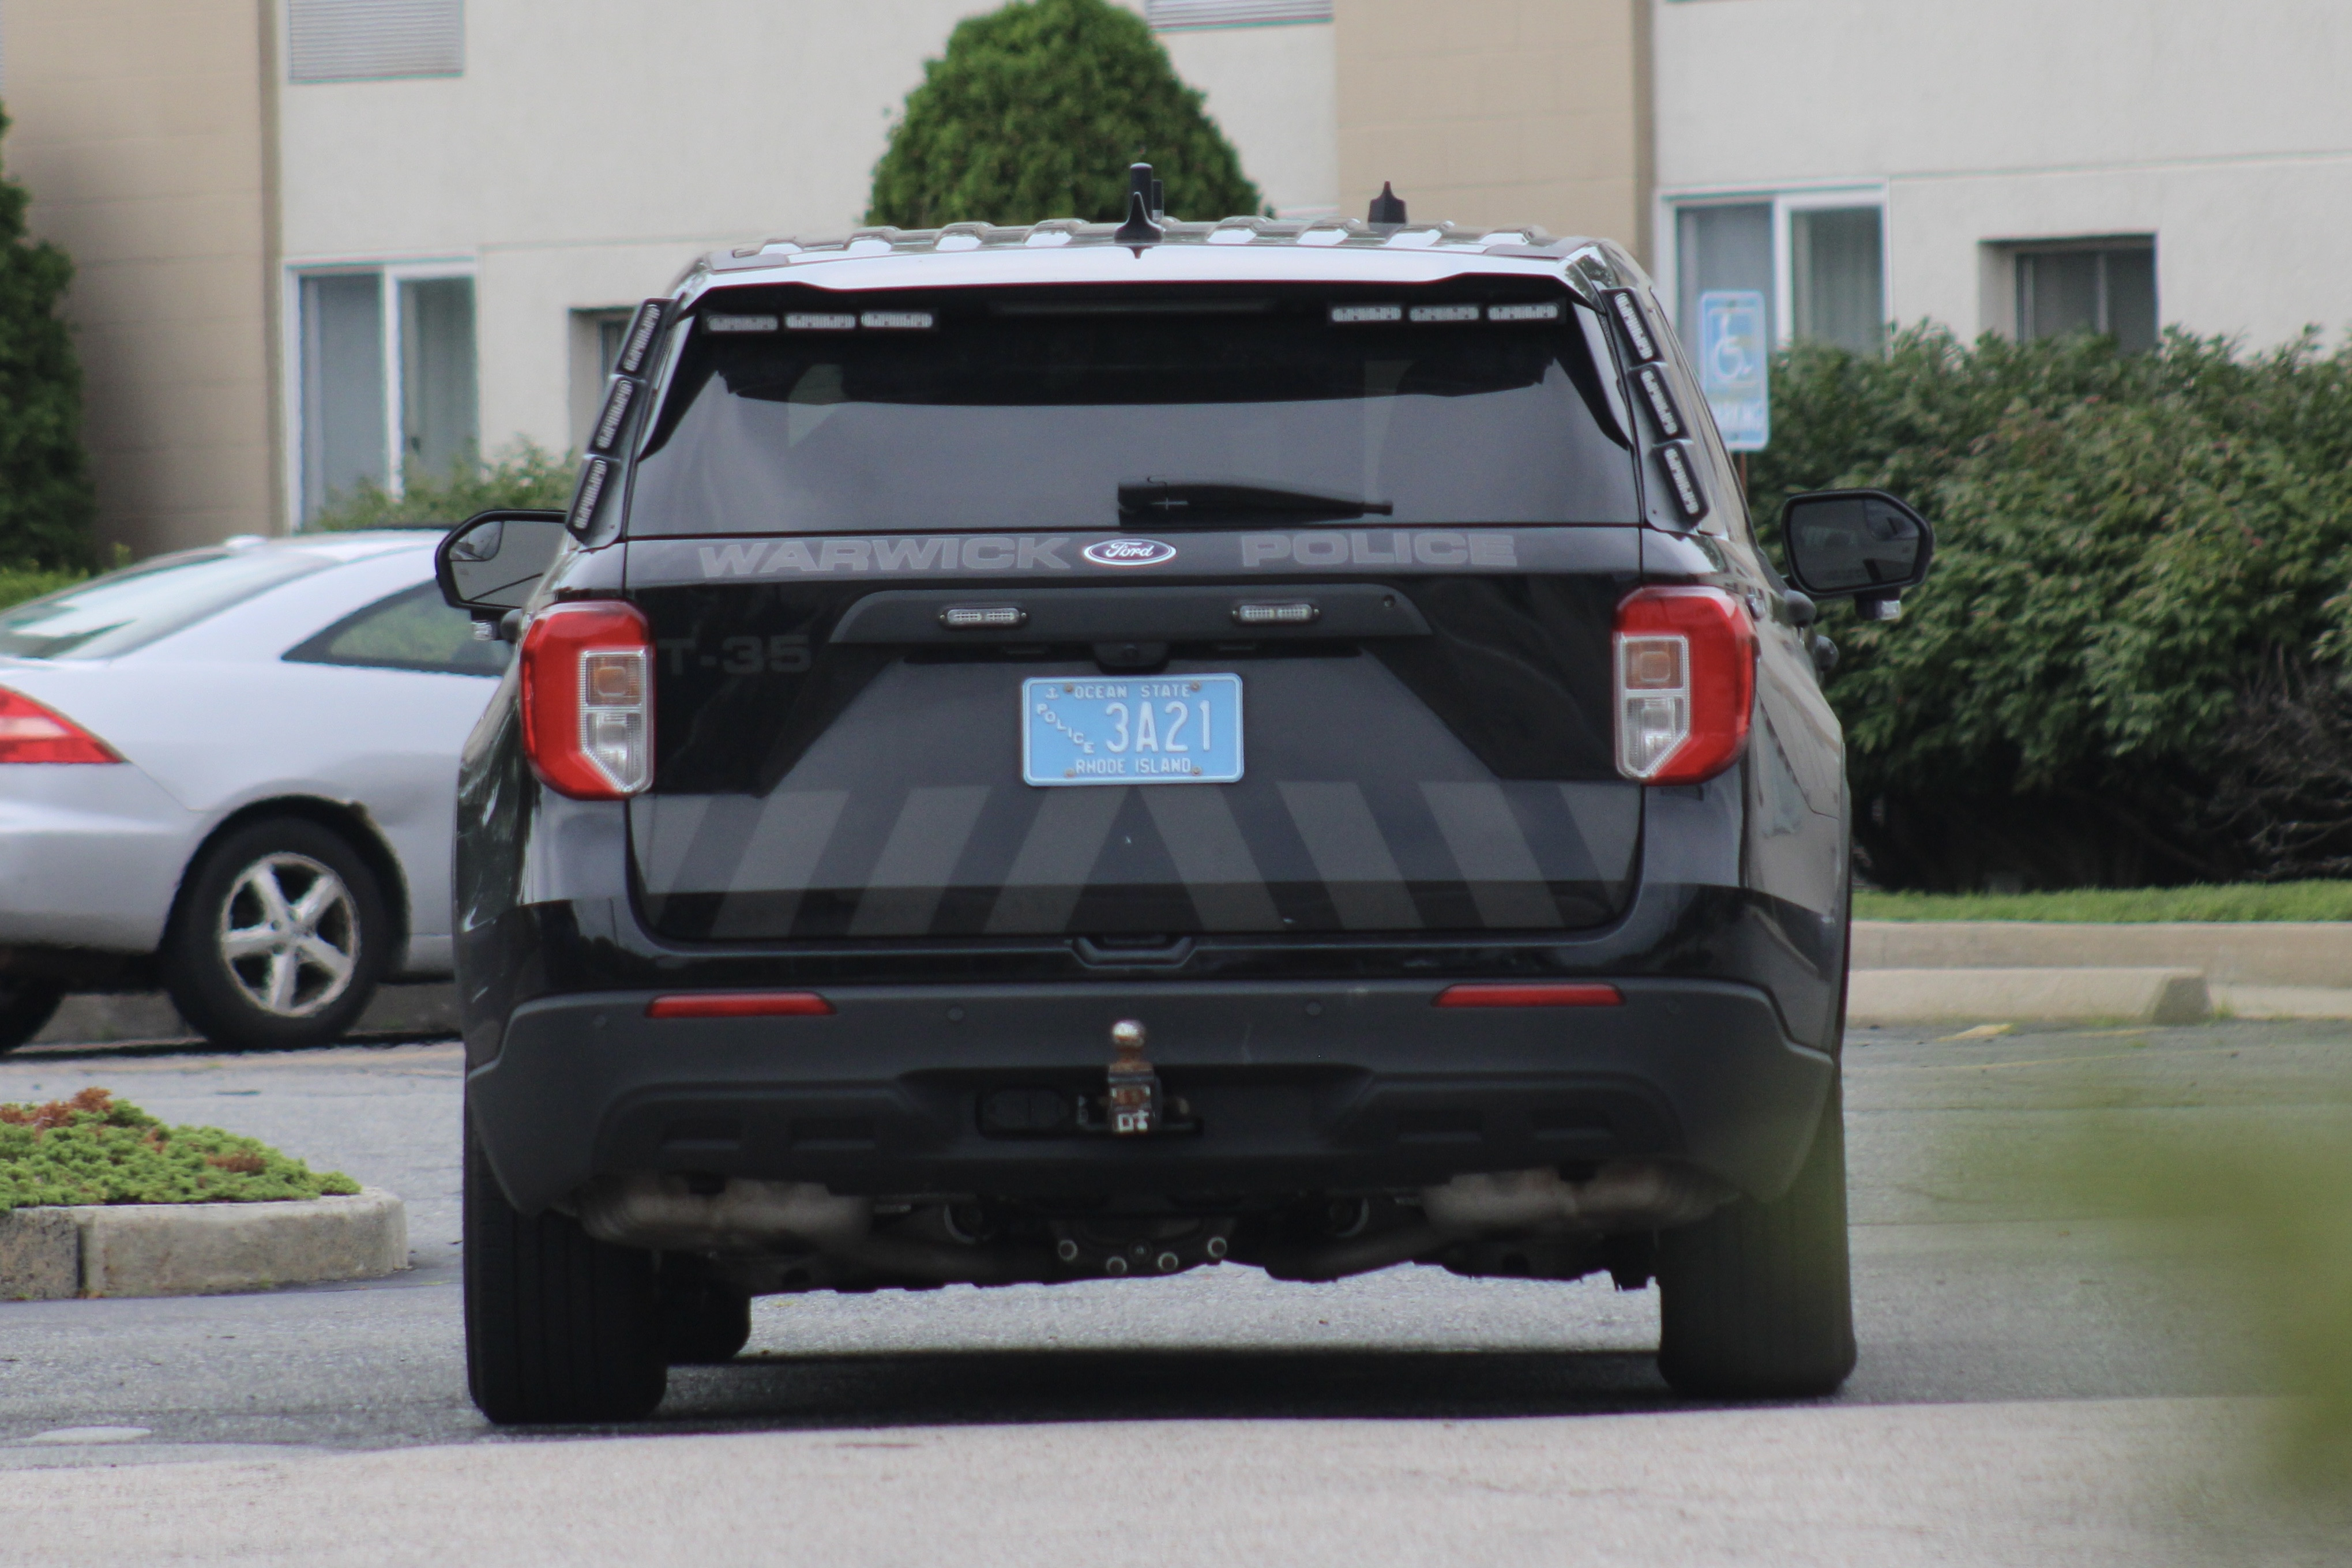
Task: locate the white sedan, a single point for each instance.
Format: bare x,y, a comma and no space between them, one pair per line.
232,772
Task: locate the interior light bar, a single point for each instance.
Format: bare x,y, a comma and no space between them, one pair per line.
616,411
1682,477
1661,402
1359,315
1628,311
593,474
896,321
639,342
819,321
716,323
1444,313
1547,310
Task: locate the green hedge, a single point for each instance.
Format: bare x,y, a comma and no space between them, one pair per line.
2127,666
1036,110
47,501
523,474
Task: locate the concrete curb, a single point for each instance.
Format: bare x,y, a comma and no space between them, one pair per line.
2148,995
198,1248
2308,953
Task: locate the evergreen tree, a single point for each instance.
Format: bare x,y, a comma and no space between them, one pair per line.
45,500
1036,111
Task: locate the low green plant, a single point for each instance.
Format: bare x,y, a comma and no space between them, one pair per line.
2129,666
2240,900
93,1148
524,475
18,583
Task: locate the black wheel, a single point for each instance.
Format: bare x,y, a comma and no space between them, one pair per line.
25,1007
279,937
560,1327
704,1321
1757,1299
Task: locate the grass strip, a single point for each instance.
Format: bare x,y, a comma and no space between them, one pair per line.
94,1148
2123,905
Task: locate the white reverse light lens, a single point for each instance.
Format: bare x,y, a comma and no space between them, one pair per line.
1445,312
614,715
1357,315
1547,311
1654,708
896,321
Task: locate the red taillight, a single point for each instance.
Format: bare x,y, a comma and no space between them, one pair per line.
31,733
588,700
742,1005
1504,994
1686,680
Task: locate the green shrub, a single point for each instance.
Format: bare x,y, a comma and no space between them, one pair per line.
94,1148
18,583
524,475
46,499
1035,111
2138,606
2235,902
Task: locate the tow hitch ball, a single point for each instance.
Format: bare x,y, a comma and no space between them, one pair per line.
1134,1098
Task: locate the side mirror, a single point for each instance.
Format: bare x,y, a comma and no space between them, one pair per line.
1862,545
492,562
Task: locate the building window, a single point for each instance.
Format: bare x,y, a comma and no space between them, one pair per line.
1818,259
2103,285
596,336
366,40
1175,15
386,366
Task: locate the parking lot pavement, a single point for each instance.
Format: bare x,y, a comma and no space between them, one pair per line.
1983,1280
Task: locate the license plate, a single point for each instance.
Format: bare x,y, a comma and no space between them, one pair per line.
1161,729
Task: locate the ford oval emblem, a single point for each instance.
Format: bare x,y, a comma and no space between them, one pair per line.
1129,552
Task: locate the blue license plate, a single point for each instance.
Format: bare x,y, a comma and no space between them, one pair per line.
1160,729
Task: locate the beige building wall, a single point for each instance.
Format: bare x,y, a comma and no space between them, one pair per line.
1499,111
143,128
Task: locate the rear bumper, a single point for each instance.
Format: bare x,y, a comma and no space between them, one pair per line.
1297,1086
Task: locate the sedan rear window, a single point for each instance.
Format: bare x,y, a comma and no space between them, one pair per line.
1023,410
127,610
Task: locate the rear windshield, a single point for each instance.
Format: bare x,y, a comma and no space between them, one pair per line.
793,411
127,610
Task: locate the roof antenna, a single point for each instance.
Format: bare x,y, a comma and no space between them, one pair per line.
1388,207
1139,229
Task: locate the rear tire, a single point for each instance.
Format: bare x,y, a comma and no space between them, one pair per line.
704,1321
560,1327
279,937
1757,1297
25,1009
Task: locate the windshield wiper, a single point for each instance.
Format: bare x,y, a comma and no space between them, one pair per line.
1172,503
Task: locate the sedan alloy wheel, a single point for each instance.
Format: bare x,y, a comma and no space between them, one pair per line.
289,935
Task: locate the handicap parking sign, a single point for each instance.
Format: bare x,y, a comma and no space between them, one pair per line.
1733,357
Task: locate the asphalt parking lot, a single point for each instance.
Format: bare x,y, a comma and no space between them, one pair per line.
2028,1366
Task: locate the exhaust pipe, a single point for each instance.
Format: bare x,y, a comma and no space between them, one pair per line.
1623,1194
748,1218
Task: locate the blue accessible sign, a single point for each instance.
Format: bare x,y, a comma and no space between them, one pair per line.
1734,351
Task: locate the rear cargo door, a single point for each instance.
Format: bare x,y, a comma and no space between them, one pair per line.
1301,731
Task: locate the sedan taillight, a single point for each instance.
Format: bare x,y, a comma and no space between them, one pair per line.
1686,681
588,701
32,733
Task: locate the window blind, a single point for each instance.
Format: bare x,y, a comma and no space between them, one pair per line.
1176,14
359,41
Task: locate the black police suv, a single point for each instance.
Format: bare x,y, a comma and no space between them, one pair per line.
1082,751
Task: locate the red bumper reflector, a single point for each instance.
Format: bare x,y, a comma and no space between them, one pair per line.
742,1005
1510,995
